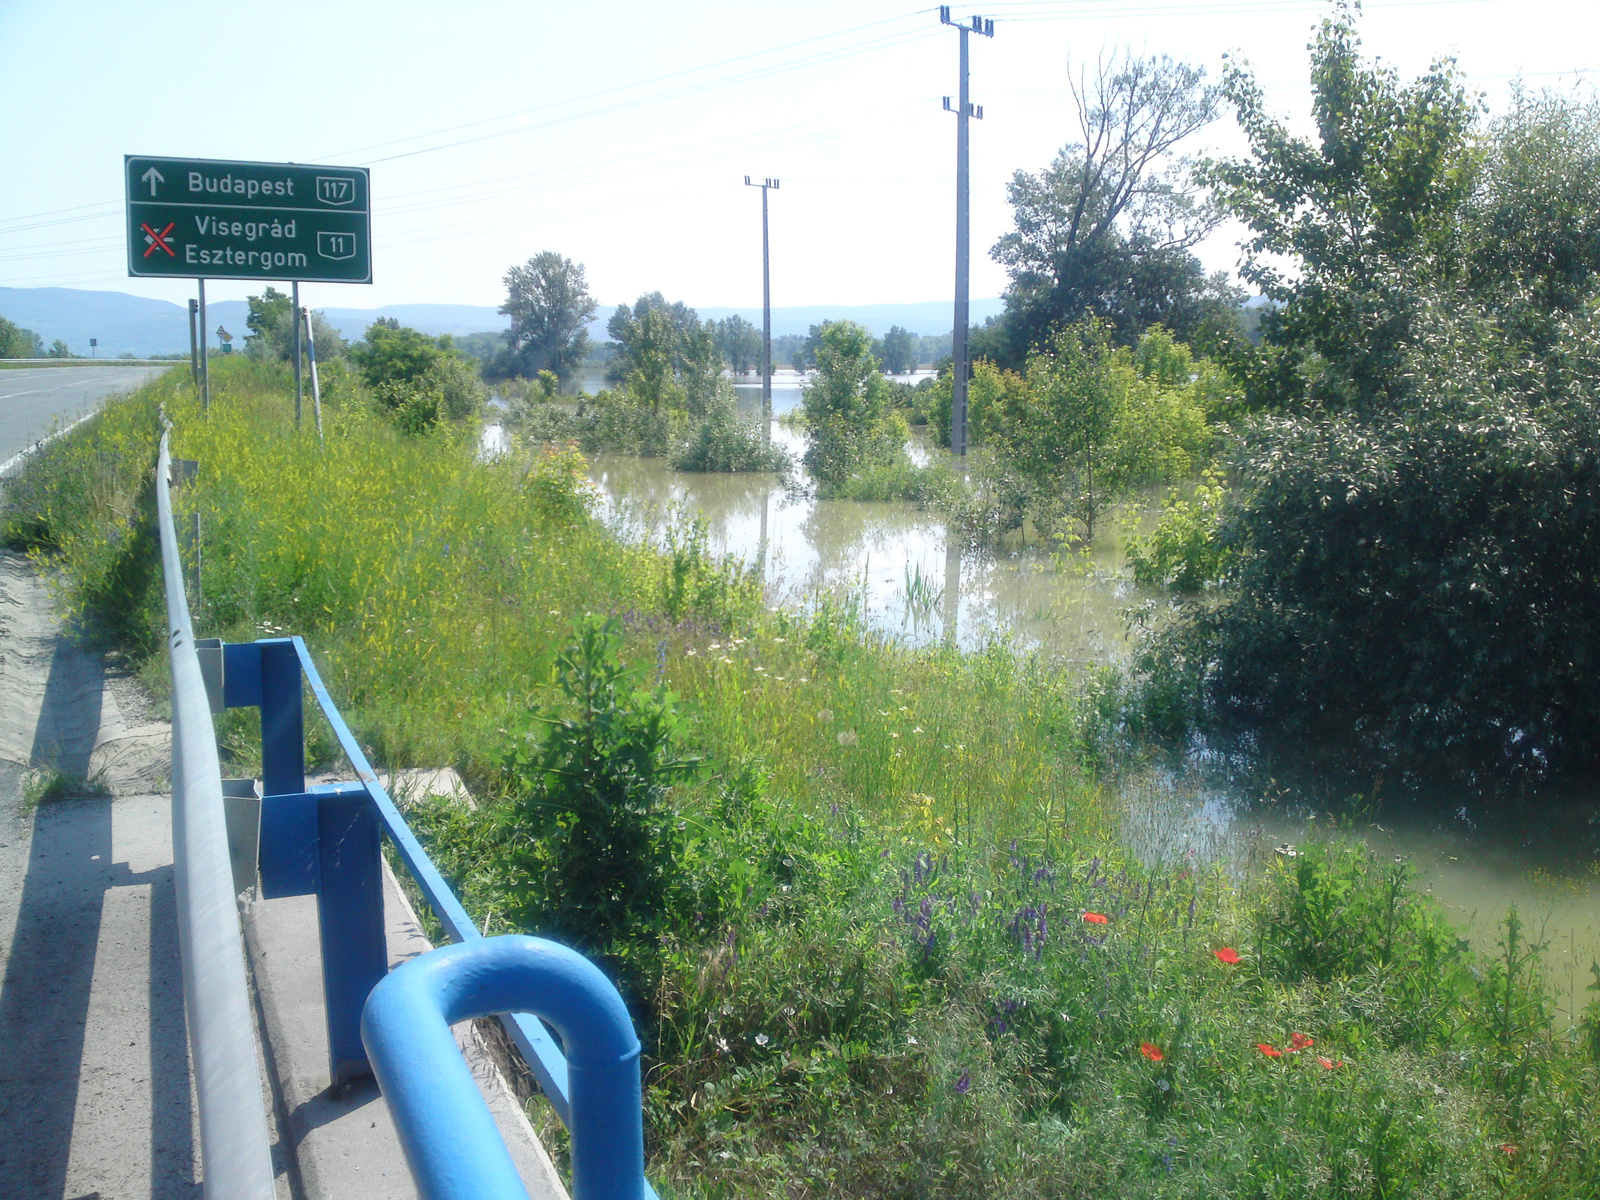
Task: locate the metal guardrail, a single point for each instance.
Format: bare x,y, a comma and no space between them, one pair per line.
325,841
236,1162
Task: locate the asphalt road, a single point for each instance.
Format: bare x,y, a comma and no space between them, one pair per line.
35,400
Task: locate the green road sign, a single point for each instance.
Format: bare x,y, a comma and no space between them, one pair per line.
214,219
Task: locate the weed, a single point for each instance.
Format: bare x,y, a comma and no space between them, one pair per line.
46,784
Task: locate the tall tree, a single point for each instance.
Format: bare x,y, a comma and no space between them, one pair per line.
1348,228
17,342
849,424
628,339
740,342
271,323
549,304
899,351
1532,224
1108,226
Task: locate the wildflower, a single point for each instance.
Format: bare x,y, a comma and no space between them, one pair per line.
722,1045
1227,954
847,737
1508,1148
725,659
910,1041
918,729
1095,918
1299,1041
689,653
762,1039
779,641
1151,1051
894,735
1269,1051
825,715
1327,1064
964,1084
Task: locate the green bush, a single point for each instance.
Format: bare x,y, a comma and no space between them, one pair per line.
722,441
1182,553
1426,583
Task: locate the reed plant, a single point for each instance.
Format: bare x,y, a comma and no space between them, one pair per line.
875,909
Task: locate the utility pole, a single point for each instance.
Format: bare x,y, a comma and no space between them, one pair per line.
766,309
958,340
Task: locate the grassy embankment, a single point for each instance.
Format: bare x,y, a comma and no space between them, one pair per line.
870,905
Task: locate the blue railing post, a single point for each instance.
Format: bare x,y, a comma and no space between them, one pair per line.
283,726
450,1140
324,841
355,951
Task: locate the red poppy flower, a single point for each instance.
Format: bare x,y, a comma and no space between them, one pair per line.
1508,1147
1327,1063
1268,1050
1150,1051
1299,1041
1096,918
1227,954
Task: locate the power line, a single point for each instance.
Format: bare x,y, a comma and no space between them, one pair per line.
695,89
620,88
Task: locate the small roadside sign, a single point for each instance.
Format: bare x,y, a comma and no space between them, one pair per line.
220,219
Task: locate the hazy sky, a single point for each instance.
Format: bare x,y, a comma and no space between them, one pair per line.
619,133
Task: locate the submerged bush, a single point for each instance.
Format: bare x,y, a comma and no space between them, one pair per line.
1425,581
722,441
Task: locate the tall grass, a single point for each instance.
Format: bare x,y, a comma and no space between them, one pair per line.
883,934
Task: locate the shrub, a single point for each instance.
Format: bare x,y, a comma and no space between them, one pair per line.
1182,553
722,441
1425,582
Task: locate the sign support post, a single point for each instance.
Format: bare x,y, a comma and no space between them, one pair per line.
316,389
194,350
205,354
294,323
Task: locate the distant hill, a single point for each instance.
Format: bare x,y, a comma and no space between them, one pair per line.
126,324
928,318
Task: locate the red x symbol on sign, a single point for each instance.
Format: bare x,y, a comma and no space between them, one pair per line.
158,240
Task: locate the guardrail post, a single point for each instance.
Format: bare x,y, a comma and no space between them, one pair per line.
355,950
450,1140
283,728
323,841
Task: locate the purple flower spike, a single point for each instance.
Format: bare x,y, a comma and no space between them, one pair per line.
964,1084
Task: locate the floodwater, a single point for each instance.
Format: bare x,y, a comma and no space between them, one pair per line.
894,561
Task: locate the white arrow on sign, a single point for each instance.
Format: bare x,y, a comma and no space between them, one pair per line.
153,177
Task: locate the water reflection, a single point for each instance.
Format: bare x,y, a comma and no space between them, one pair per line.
895,562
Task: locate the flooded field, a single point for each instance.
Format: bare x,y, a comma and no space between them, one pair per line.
897,563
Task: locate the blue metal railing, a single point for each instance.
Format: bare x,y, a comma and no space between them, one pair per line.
326,841
450,1139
